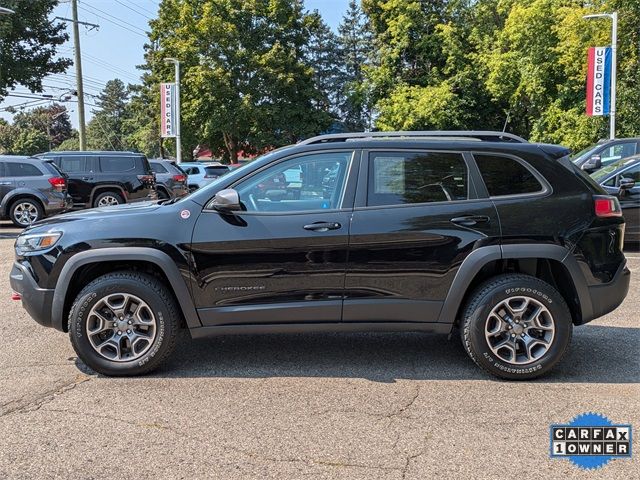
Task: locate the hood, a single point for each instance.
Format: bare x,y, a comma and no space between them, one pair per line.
94,214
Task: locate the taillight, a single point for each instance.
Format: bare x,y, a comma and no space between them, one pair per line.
180,178
58,183
147,178
607,206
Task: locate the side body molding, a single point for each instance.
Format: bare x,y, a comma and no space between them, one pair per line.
151,255
481,256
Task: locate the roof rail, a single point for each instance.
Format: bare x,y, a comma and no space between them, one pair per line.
478,135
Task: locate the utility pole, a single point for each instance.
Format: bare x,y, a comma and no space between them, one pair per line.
79,84
614,53
176,64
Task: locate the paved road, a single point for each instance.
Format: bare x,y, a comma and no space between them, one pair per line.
358,406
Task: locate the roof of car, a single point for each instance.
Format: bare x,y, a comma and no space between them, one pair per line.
92,152
18,158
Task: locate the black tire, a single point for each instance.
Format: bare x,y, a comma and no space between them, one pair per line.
108,195
476,317
160,302
163,194
25,211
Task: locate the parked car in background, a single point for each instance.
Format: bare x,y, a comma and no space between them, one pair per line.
201,173
622,179
606,152
31,189
171,180
100,179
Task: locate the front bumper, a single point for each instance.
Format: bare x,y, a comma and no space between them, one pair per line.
35,300
606,298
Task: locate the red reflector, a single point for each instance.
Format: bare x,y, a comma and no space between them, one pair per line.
180,178
607,206
146,178
58,183
16,296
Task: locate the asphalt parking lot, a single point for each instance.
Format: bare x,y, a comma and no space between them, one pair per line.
343,406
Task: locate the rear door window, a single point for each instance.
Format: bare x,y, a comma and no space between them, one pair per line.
506,176
397,178
17,169
117,164
73,164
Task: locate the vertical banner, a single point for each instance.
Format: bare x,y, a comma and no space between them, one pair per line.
167,110
599,81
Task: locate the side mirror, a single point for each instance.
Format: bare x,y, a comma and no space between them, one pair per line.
594,163
626,183
226,200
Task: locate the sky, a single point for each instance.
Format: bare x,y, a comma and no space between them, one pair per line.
115,48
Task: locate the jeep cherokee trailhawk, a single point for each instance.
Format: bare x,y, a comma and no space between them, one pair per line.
505,240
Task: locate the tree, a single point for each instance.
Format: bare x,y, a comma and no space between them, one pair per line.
323,55
28,43
356,51
245,82
106,130
53,121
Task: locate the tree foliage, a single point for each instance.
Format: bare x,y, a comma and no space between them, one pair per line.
28,42
107,128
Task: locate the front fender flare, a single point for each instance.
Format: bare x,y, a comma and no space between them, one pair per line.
161,259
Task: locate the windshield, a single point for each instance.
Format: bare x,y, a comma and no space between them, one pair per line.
604,172
582,154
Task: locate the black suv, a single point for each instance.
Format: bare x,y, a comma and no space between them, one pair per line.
605,152
30,190
409,231
100,179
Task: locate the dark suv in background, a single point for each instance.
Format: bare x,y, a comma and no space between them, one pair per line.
171,180
31,189
505,240
100,179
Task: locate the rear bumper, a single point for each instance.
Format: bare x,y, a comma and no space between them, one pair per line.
58,205
35,300
606,298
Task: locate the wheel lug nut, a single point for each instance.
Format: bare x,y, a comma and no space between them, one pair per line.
129,322
115,324
119,332
513,335
128,331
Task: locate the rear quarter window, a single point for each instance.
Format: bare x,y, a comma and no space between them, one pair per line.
52,168
117,164
18,169
158,168
506,176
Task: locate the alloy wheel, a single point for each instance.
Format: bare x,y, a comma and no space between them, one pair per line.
121,327
520,330
107,201
26,213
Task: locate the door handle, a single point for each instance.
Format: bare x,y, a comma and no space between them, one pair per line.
322,226
6,183
87,178
470,220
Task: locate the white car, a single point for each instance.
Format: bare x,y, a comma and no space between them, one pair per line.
200,174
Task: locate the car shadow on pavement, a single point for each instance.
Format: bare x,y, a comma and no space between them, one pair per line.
598,354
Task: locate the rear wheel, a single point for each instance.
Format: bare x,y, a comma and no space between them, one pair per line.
516,326
107,199
124,323
162,194
25,211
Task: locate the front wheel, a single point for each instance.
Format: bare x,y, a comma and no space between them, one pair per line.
516,326
124,323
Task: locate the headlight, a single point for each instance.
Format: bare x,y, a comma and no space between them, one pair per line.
36,242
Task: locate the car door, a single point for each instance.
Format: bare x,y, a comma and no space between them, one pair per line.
283,259
6,182
417,216
630,203
81,173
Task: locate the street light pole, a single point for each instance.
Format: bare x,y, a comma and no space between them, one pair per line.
614,52
79,85
176,64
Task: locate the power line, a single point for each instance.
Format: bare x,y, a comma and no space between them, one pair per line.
116,21
134,10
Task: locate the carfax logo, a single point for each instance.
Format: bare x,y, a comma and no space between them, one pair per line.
590,441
